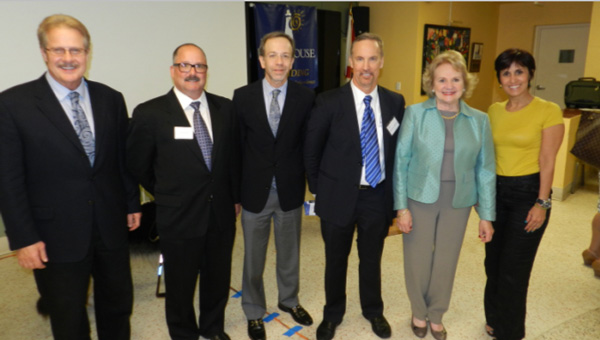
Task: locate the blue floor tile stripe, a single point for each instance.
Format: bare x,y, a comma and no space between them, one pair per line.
292,331
270,317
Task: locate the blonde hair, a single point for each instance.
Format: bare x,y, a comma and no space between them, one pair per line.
457,61
61,20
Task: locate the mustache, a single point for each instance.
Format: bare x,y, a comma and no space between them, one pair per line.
192,78
68,64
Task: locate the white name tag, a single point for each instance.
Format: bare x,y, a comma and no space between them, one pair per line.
393,126
184,132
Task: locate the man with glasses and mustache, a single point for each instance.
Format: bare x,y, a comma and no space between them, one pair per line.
65,195
183,148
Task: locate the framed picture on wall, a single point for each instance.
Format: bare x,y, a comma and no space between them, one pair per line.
438,39
476,53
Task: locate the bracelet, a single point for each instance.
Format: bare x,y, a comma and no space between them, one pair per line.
544,204
403,212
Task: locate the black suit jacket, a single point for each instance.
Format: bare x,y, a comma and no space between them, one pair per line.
333,155
265,155
173,170
48,189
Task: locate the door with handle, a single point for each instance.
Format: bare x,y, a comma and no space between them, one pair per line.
559,52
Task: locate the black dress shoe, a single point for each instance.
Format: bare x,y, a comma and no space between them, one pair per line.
299,314
381,327
256,330
220,336
326,330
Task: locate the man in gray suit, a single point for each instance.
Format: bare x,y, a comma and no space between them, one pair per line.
272,114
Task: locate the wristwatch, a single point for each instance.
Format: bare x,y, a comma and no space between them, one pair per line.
544,204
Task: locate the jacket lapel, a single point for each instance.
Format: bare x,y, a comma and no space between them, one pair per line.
99,112
176,117
348,109
50,107
288,108
258,102
217,127
386,118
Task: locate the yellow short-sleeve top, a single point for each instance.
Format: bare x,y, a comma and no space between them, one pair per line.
518,135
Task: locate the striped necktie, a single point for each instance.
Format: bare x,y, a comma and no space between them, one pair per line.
202,135
369,145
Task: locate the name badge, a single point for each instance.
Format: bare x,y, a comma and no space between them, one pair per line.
393,126
184,132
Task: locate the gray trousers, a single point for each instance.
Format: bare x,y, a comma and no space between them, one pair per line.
257,228
431,252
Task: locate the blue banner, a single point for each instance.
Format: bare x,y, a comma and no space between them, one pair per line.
300,22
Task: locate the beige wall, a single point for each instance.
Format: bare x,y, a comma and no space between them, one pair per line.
517,22
497,25
397,24
592,66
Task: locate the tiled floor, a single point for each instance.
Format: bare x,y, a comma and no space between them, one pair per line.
564,298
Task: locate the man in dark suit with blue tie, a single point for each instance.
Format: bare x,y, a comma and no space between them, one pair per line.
183,147
273,113
349,154
65,194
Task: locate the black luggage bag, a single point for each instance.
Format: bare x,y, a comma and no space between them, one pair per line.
583,93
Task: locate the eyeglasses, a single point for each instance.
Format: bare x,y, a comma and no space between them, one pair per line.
62,51
185,67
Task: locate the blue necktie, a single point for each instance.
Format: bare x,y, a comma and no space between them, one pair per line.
82,127
369,145
274,112
202,135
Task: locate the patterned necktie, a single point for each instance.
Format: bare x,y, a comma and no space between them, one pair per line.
82,127
369,145
274,112
202,135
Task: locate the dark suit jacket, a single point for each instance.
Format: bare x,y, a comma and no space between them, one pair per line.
48,189
173,170
265,156
333,155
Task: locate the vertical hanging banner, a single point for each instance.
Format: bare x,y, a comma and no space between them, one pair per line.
299,22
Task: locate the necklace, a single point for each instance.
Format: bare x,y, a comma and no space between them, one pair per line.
449,117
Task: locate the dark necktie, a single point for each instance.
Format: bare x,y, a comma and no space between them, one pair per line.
202,135
369,145
274,112
82,127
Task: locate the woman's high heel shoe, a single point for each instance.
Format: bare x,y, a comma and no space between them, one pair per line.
596,266
588,257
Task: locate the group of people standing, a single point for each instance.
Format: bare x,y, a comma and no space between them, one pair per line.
70,165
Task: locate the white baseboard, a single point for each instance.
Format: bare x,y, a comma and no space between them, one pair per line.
4,245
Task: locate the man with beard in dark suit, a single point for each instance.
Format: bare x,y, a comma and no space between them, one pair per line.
183,147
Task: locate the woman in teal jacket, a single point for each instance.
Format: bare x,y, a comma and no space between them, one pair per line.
444,166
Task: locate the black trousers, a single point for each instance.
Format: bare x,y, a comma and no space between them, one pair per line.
209,256
370,222
64,293
510,256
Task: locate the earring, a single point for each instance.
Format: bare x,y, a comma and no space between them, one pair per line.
500,85
433,91
464,90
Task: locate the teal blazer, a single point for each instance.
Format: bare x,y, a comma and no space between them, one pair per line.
419,152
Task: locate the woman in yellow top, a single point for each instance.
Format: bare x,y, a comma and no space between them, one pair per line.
527,133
